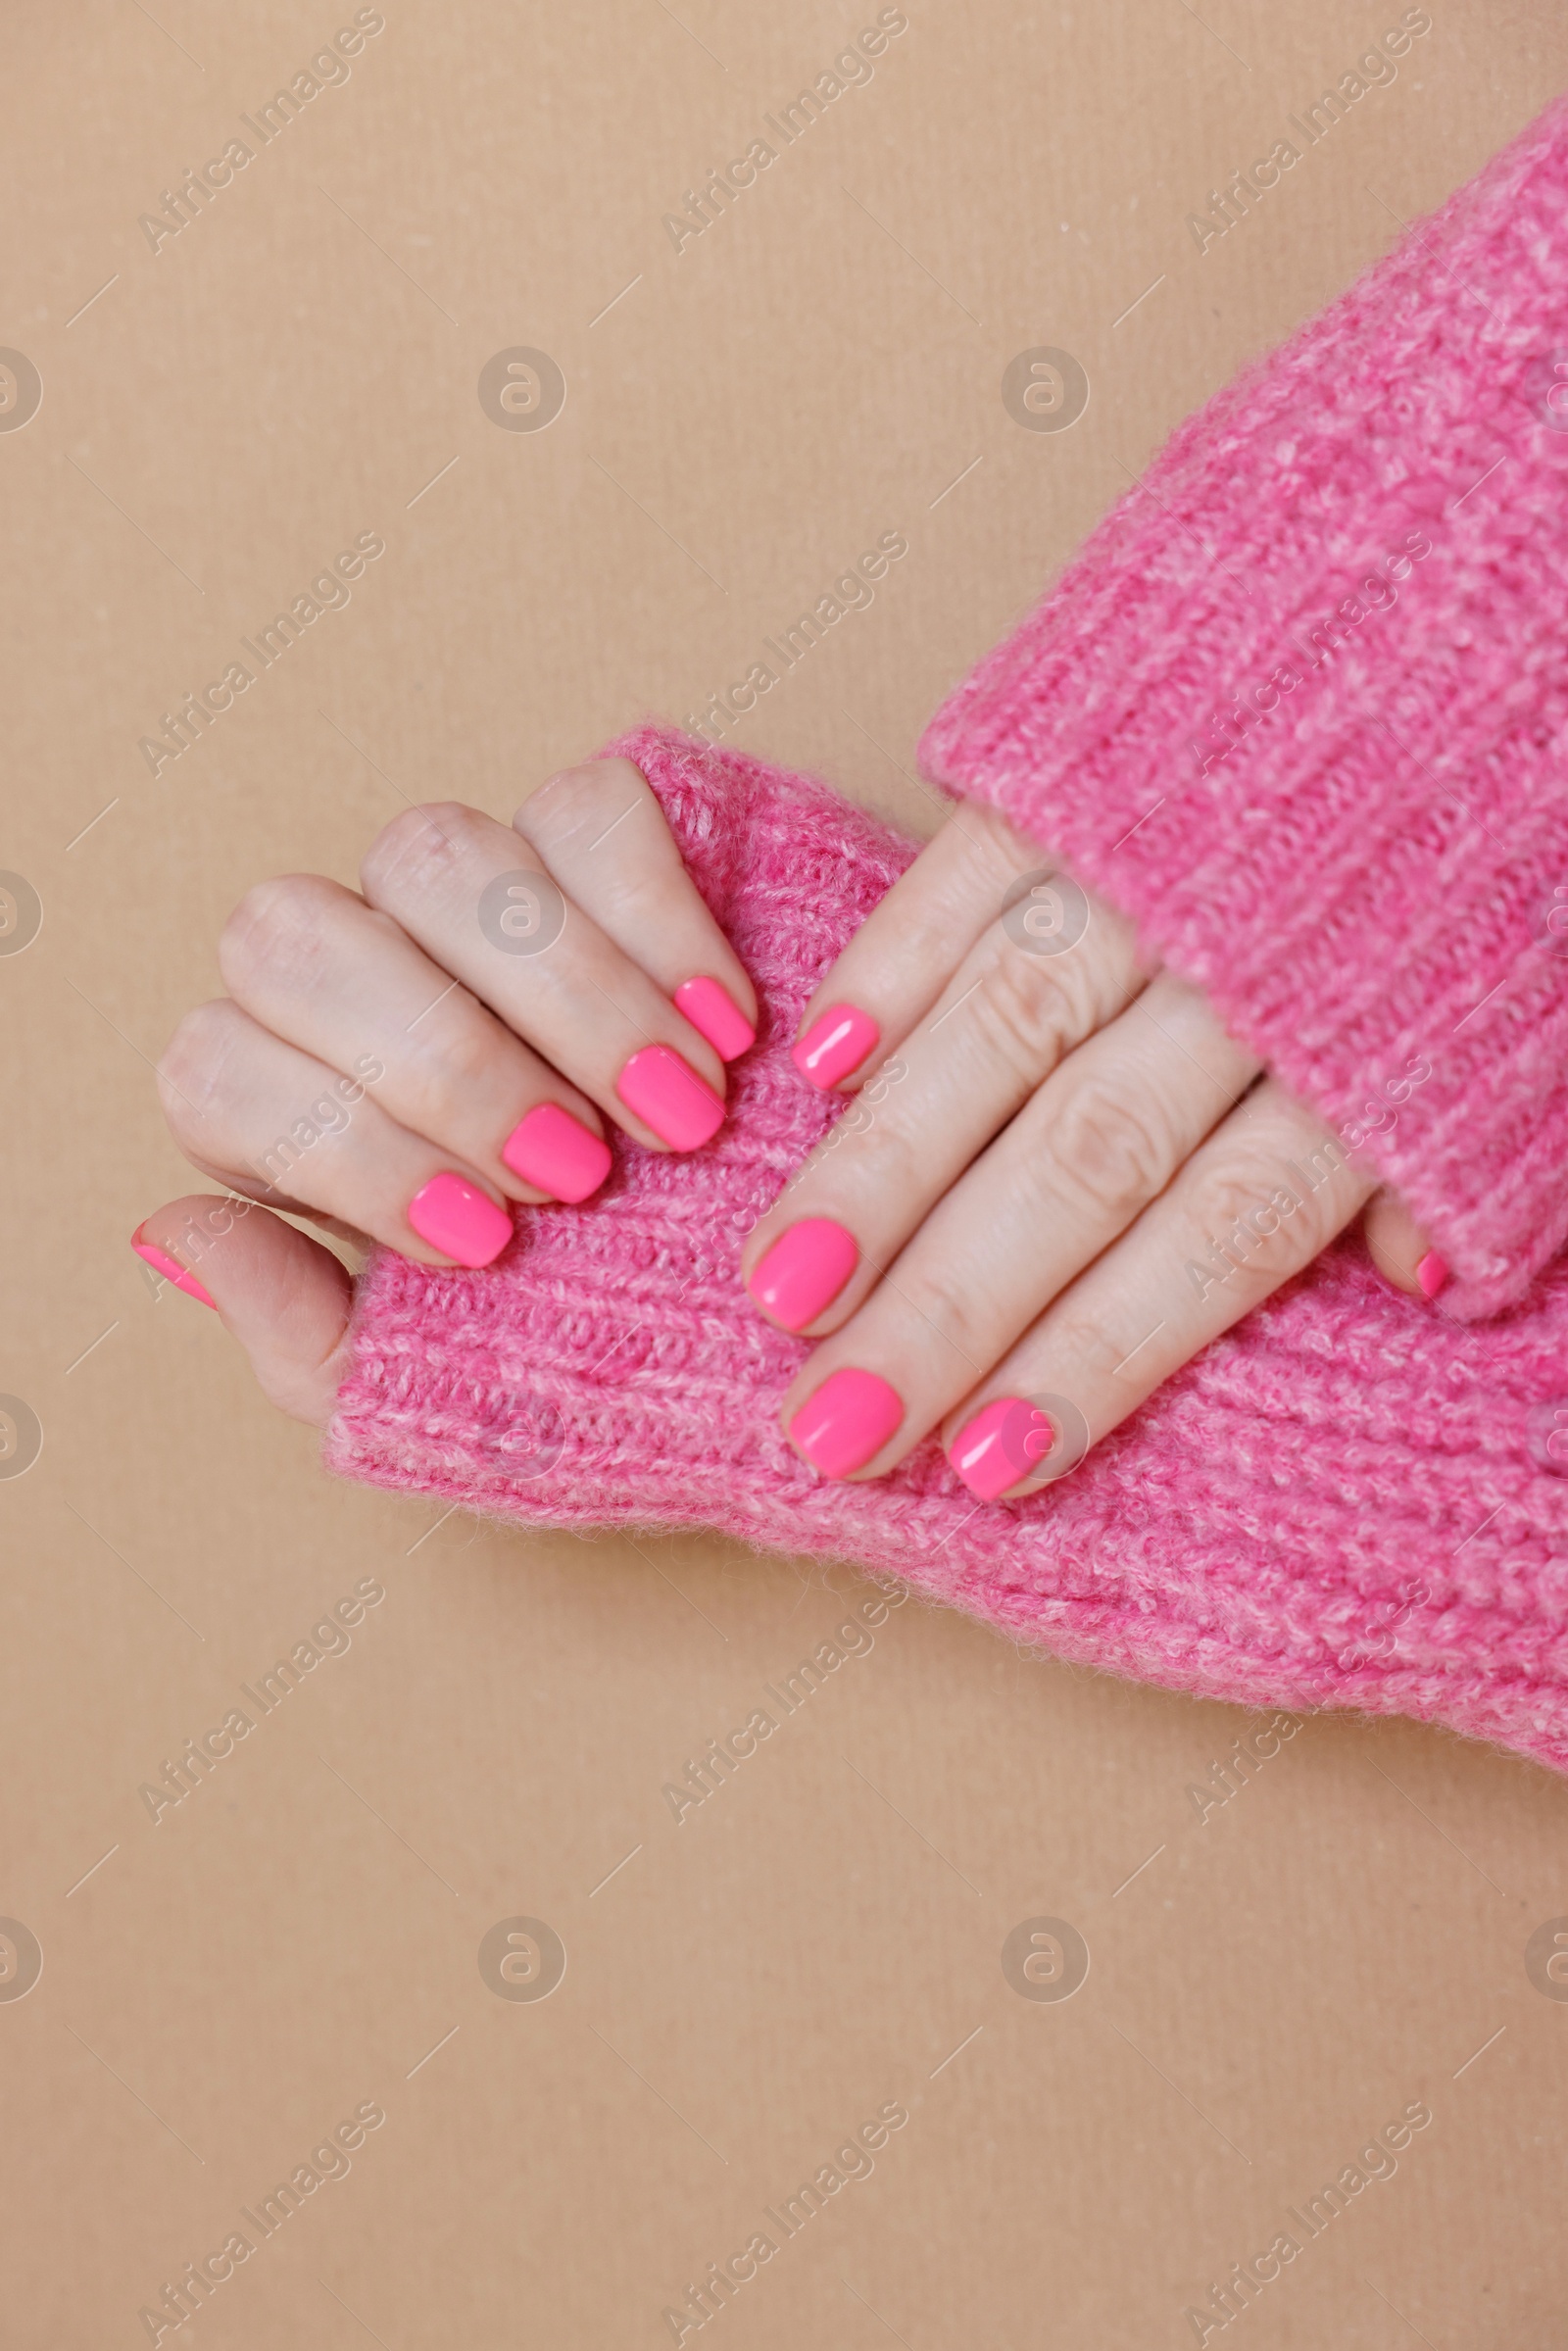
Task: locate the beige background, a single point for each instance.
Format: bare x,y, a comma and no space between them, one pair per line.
219,1990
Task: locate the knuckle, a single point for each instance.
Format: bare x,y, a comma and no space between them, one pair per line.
580,801
275,929
1113,1149
962,1322
460,1055
190,1069
420,846
1258,1196
994,852
1024,1014
882,1158
1234,1190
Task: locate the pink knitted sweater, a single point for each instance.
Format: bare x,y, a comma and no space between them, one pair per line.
1301,708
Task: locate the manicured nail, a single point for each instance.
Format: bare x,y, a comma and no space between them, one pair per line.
715,1014
850,1417
458,1219
1006,1439
171,1269
1432,1274
666,1094
837,1042
555,1152
804,1271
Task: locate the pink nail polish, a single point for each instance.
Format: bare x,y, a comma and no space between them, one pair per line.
458,1219
850,1417
666,1094
804,1271
171,1269
1432,1274
1006,1439
716,1016
555,1152
837,1042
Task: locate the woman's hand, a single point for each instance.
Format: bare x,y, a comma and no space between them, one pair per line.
1066,1181
404,1062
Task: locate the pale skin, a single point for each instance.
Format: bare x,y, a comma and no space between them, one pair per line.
1065,1180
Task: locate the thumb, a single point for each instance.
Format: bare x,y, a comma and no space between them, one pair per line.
1400,1250
282,1296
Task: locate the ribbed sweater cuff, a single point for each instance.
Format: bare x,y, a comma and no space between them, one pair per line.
1301,708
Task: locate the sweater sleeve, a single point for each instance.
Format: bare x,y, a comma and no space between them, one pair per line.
1300,707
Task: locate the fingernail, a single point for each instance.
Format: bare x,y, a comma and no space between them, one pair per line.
1432,1274
1006,1439
555,1152
458,1219
804,1269
837,1042
666,1094
715,1014
171,1269
850,1417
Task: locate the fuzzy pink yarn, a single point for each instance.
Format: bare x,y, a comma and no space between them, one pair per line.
1349,1501
1326,771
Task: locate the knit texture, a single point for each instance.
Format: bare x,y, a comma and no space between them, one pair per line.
1348,1502
1301,708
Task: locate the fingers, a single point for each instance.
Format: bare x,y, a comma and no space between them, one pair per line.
1251,1206
283,1296
1400,1250
1095,1144
902,958
1007,1018
459,884
602,836
311,962
276,1123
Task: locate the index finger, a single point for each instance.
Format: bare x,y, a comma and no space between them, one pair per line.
907,951
604,836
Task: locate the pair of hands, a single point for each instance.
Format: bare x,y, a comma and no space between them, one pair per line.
1061,1180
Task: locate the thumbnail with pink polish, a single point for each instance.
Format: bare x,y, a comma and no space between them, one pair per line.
837,1042
716,1016
1004,1442
556,1153
804,1271
173,1271
462,1222
848,1419
666,1094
